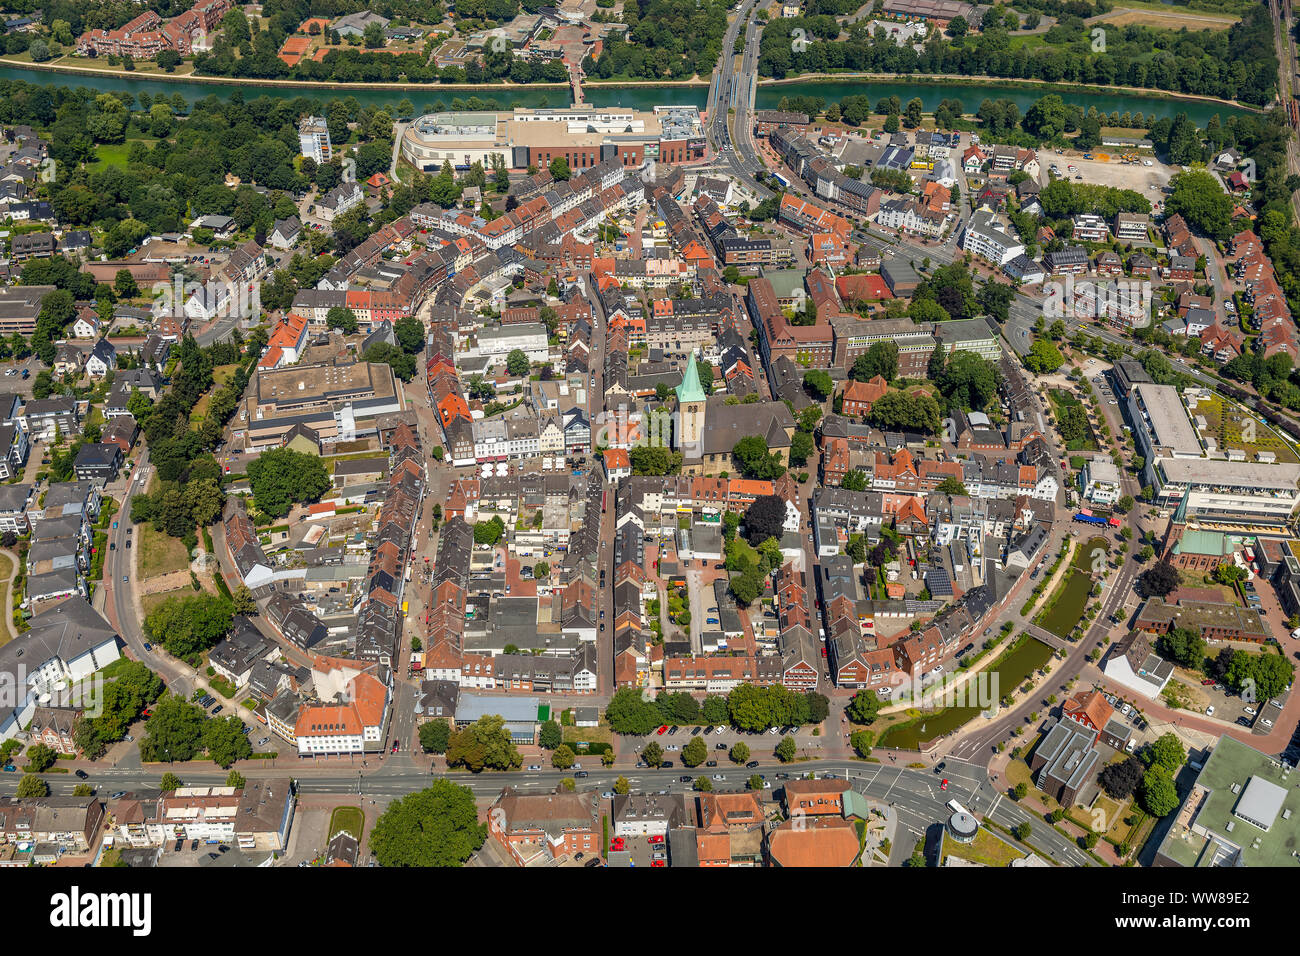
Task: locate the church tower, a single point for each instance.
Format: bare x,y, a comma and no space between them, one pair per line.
691,405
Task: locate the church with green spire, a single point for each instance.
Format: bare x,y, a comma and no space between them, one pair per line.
692,403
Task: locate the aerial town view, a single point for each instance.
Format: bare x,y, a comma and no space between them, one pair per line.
651,434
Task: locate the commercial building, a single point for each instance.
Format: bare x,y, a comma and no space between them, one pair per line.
337,401
1243,810
583,136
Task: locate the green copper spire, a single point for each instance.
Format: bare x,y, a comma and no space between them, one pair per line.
690,389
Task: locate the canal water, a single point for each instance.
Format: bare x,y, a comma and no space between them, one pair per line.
640,97
1011,673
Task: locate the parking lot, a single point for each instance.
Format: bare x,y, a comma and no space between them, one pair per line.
1114,173
719,745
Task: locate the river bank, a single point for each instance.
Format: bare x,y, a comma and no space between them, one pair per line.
637,94
1014,83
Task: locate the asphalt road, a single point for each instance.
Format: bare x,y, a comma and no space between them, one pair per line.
915,792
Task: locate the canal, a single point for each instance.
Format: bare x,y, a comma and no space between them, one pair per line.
435,97
1003,678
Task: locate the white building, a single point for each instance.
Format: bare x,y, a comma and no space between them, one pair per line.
314,139
528,337
1099,481
42,666
984,236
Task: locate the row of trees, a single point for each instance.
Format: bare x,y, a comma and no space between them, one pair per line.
747,707
1238,63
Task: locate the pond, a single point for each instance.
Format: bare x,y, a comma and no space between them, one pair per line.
1010,673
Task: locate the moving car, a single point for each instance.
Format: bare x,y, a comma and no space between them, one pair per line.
943,785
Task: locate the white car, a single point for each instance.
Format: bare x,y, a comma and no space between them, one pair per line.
1147,162
1250,711
1209,711
723,729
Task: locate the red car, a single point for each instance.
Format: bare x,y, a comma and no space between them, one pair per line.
657,838
616,843
662,730
658,863
1207,683
943,785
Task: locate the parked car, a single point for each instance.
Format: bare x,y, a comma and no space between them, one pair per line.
82,775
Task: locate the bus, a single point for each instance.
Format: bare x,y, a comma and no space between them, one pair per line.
956,807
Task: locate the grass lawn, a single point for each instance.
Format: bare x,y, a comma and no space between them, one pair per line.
6,570
347,818
159,553
114,154
987,848
592,735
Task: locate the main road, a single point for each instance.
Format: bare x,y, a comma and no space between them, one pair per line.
915,793
730,90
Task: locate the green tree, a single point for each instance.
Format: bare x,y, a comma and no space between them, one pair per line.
864,707
755,461
517,363
282,477
343,319
1158,794
626,713
437,826
32,786
40,758
170,782
652,754
785,751
862,741
739,752
243,602
563,757
484,744
435,735
818,384
235,779
1043,357
550,736
621,786
695,752
225,741
189,624
174,731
